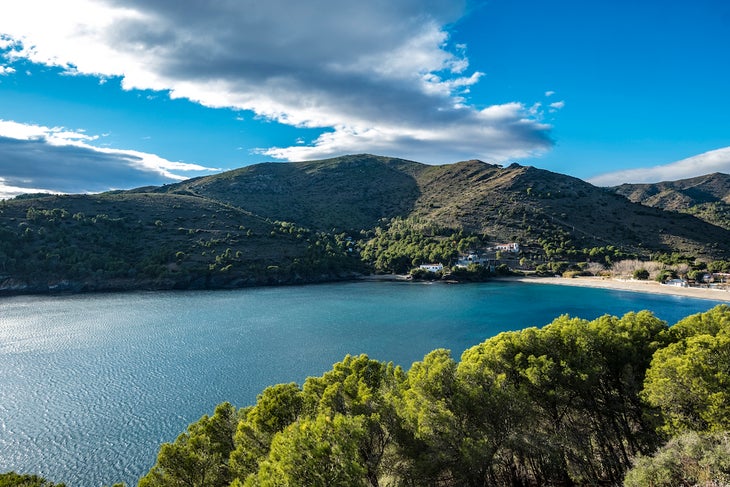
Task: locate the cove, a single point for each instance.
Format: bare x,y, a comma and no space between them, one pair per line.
91,385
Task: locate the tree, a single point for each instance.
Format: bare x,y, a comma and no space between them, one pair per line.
431,435
543,270
359,388
713,322
12,479
276,408
494,412
666,275
562,391
689,381
320,452
695,274
198,457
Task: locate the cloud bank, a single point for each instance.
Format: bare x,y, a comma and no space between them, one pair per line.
377,76
37,159
706,163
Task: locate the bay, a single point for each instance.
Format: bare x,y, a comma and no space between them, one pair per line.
91,385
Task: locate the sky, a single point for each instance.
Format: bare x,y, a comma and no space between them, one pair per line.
115,94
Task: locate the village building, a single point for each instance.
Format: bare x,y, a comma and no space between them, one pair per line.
720,277
677,283
432,267
471,258
513,247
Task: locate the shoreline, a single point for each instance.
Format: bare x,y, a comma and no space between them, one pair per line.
651,287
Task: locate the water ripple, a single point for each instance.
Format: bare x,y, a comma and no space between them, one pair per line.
91,385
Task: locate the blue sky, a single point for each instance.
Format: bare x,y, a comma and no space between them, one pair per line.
113,94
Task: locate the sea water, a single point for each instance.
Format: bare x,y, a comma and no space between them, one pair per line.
91,385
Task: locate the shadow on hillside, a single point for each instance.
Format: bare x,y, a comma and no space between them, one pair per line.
347,193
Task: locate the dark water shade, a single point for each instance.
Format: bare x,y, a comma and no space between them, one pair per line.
91,385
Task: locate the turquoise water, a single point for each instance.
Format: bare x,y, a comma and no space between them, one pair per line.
90,385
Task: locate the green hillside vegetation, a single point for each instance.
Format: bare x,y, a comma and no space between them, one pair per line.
278,223
131,240
706,197
576,402
405,244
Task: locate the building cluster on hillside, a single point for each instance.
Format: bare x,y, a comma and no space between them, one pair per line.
473,257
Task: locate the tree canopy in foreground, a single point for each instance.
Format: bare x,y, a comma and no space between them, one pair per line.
576,402
604,402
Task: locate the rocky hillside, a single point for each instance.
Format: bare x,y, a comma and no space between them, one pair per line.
347,193
707,197
522,203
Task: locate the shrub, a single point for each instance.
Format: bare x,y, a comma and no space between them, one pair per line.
503,270
641,274
543,270
665,275
424,275
689,459
595,268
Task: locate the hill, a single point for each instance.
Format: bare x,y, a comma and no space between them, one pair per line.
707,197
514,203
533,205
311,221
348,193
141,240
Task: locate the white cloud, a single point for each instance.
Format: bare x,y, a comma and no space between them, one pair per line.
503,125
549,93
38,159
363,70
709,162
9,191
558,105
5,42
6,70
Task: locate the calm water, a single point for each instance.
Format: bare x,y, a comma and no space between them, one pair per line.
91,385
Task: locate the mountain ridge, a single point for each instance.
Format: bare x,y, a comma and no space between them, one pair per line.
706,196
470,195
275,223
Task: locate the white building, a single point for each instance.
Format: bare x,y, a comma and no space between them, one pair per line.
432,267
513,247
471,258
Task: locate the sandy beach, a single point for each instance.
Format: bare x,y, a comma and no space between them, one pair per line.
629,285
599,282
